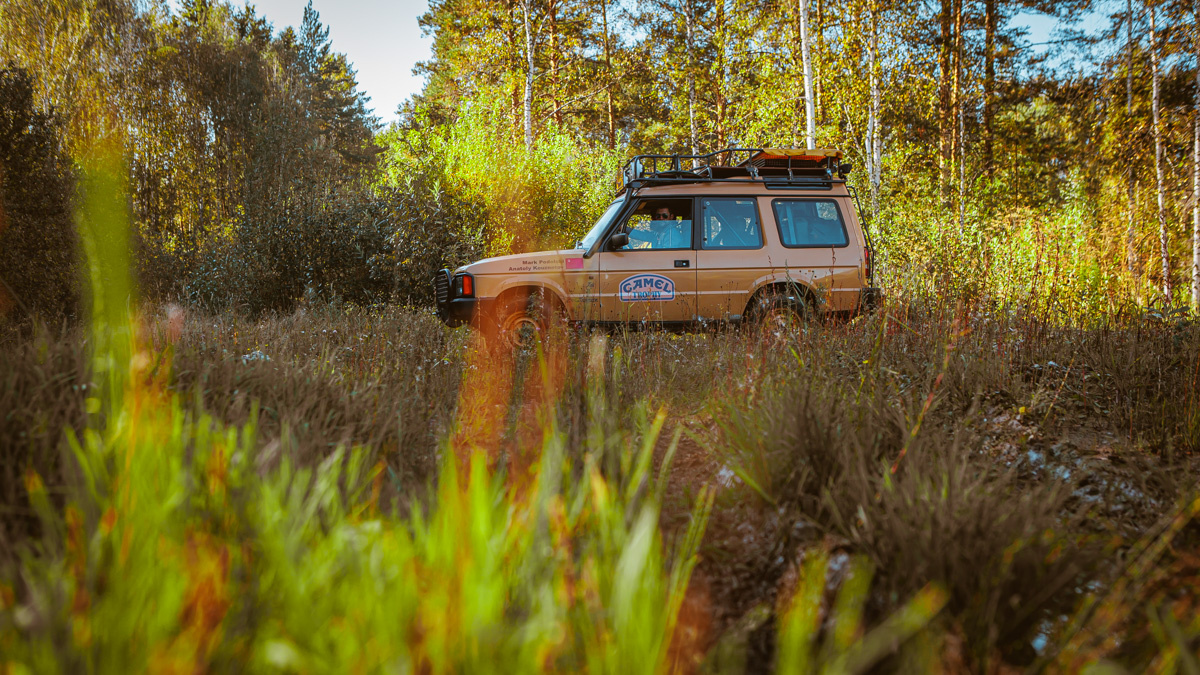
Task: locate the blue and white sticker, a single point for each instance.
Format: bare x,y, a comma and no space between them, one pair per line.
647,287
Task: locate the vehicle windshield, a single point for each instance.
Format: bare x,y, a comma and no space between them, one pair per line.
601,224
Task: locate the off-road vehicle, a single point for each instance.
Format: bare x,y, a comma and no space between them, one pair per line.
739,235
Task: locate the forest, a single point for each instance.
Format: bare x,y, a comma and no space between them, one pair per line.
234,436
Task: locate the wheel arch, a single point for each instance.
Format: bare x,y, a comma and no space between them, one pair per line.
809,295
526,288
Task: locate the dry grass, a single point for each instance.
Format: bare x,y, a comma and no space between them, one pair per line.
1010,458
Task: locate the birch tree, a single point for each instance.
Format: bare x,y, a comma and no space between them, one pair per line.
527,10
556,102
989,83
810,113
690,28
609,112
1130,230
1196,165
1158,153
875,144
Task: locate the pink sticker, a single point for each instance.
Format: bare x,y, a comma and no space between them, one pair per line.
574,263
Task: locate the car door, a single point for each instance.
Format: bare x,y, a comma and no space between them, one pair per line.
819,249
653,277
730,256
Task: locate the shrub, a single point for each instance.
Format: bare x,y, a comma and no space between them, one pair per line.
542,198
38,248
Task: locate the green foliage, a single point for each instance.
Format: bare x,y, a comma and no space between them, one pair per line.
427,228
545,198
1048,261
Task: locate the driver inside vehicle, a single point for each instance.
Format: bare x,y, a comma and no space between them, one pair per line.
670,230
655,226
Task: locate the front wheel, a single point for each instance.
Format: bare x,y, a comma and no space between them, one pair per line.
523,321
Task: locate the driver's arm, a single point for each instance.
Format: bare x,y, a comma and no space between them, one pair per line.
639,238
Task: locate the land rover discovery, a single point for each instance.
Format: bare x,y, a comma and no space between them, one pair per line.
739,235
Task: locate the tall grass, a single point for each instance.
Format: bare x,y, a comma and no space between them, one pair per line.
175,547
969,485
1029,456
1056,262
1007,458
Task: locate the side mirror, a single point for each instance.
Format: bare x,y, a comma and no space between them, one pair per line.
618,240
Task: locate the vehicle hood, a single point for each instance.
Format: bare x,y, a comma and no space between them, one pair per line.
538,261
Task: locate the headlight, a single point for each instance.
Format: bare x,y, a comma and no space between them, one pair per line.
464,286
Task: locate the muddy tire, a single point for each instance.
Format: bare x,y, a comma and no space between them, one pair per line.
782,313
522,321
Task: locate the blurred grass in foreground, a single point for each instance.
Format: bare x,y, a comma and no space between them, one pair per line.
217,513
175,550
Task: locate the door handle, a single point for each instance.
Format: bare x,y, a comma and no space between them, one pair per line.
683,263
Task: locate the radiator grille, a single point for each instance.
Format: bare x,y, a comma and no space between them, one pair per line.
441,286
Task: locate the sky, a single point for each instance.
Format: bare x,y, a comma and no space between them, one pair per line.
380,37
383,41
1044,33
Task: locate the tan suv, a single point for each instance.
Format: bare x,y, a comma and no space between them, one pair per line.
734,236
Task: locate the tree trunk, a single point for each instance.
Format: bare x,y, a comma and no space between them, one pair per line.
722,74
552,10
1196,166
810,113
1131,230
608,83
1158,152
959,145
818,87
526,6
691,82
798,67
989,83
512,52
875,149
944,117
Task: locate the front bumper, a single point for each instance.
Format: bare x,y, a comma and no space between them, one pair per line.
457,311
465,311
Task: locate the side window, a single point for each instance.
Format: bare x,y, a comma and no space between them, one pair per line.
659,224
810,223
730,223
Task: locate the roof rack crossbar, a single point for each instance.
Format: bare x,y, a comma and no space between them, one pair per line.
801,164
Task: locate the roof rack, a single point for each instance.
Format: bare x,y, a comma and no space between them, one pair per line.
785,166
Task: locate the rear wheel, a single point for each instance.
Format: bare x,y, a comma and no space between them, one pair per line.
782,313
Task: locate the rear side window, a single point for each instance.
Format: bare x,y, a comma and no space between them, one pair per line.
730,223
810,223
